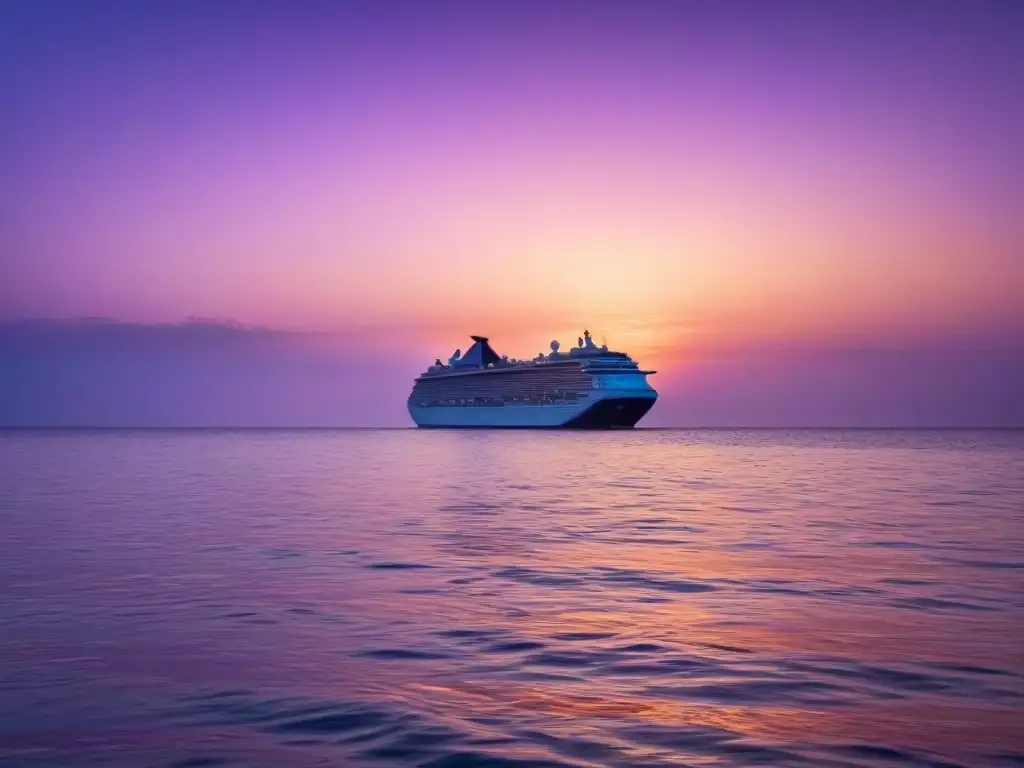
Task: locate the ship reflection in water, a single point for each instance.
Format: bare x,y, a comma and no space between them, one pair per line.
517,598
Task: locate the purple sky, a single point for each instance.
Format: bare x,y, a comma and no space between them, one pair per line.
800,213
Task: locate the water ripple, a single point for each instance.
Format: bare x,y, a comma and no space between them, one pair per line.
403,598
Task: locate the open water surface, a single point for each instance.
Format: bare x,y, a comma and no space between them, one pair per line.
449,599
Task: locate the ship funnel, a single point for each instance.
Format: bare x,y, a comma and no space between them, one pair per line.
480,355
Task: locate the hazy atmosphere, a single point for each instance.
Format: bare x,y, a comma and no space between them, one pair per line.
103,373
799,214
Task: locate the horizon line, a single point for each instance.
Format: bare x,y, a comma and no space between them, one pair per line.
705,428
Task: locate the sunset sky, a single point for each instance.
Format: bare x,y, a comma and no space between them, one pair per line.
729,191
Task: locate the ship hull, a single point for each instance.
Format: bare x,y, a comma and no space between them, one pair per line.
611,410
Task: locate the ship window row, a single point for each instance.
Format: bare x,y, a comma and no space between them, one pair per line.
504,392
506,389
499,379
498,401
491,382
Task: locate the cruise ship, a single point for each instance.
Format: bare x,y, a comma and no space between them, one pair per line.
588,387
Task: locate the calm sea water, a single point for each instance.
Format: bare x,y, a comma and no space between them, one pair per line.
406,598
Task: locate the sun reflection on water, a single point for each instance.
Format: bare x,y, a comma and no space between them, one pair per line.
663,597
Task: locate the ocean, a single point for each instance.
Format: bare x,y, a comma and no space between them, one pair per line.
448,599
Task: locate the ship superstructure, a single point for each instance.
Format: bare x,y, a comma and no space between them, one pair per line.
589,386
